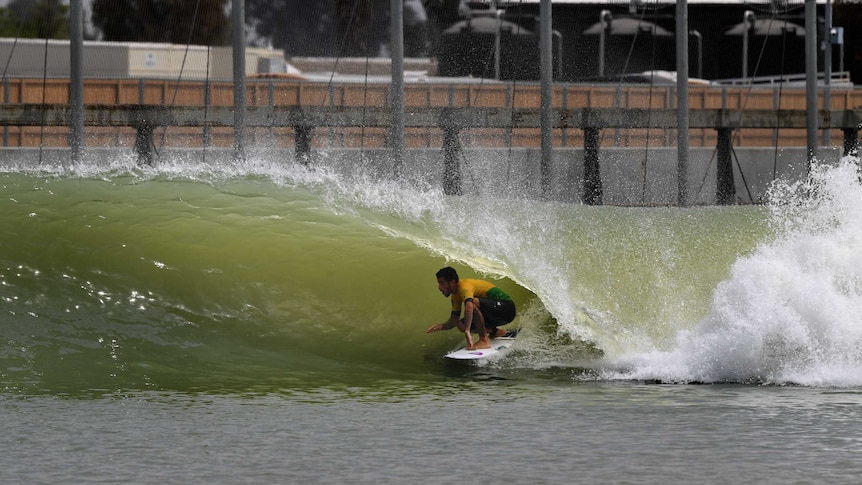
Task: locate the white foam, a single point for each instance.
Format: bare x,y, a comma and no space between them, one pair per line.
791,312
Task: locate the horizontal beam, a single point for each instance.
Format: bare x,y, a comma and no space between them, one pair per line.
428,117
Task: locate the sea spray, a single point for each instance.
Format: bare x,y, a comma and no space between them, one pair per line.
790,312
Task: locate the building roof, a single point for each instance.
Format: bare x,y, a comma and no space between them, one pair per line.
646,3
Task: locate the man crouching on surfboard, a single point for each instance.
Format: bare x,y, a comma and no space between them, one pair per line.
485,304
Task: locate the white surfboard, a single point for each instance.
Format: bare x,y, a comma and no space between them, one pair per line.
499,346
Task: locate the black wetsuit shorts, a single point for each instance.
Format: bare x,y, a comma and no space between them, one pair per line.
496,313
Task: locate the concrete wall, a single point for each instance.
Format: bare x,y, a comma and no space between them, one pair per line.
418,97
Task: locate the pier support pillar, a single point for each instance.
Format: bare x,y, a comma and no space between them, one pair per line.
851,141
725,188
144,145
451,156
592,174
302,143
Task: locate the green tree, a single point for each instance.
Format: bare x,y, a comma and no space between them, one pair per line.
163,21
43,19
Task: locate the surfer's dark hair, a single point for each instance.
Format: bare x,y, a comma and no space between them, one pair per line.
448,274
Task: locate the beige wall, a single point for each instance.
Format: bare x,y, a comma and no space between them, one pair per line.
167,92
116,60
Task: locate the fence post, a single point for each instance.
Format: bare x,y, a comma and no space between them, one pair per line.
451,155
5,101
725,188
592,174
851,141
144,143
302,149
207,99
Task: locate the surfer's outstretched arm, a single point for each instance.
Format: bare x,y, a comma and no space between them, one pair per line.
451,323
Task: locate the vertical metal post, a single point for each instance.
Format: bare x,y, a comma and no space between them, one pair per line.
776,105
605,20
497,44
5,101
811,77
682,100
302,146
851,141
841,52
144,143
239,104
510,105
451,155
546,56
397,92
207,100
827,67
699,38
563,132
452,150
76,88
748,24
592,174
331,129
725,187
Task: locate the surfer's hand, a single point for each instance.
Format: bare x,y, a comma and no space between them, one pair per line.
434,328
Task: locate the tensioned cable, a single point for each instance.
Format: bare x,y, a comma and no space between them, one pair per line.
462,159
182,68
509,138
741,174
491,55
649,108
364,100
11,53
15,42
746,97
342,47
619,84
737,134
330,83
44,89
778,108
364,93
207,96
618,89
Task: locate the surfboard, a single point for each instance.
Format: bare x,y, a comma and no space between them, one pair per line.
499,347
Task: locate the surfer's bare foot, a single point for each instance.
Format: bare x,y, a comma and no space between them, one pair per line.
501,332
483,343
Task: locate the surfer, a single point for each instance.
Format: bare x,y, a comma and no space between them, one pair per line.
484,304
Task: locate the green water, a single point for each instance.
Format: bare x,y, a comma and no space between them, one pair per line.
230,280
